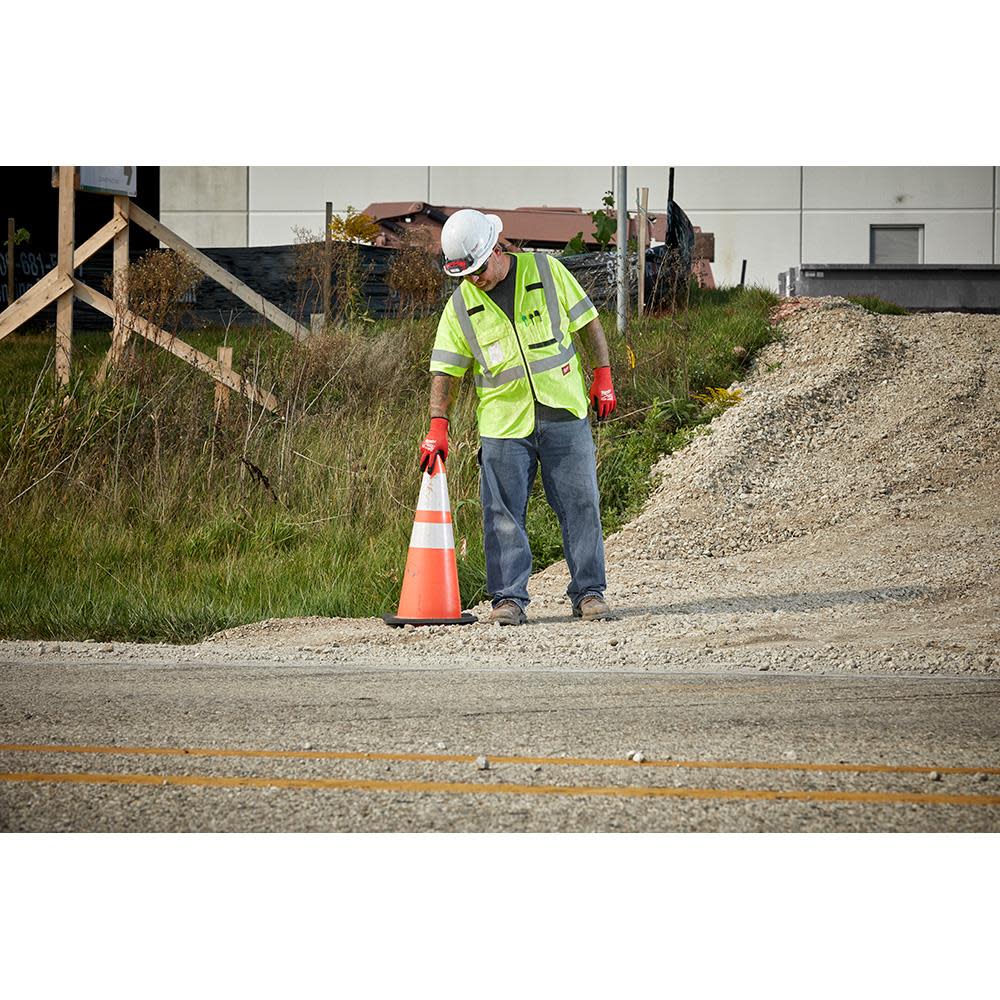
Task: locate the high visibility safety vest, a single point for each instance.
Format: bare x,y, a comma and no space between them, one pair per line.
515,366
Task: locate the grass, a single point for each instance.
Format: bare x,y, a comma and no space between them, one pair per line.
132,513
876,305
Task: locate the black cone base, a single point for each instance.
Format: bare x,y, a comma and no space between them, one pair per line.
466,619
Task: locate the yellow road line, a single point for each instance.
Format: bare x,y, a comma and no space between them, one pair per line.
752,765
470,788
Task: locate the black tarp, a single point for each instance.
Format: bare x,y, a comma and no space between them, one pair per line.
668,267
272,272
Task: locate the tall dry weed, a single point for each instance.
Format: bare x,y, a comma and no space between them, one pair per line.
415,276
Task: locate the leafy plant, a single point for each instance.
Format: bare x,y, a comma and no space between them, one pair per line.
605,224
717,399
354,227
20,236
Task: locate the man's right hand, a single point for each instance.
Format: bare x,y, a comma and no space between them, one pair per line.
436,443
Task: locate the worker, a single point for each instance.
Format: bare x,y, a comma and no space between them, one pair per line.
510,322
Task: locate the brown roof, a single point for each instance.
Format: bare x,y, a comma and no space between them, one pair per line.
542,226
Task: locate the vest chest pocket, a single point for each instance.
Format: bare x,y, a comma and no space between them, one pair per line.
537,333
497,345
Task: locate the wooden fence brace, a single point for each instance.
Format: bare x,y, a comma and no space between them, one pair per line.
170,343
36,298
60,286
50,287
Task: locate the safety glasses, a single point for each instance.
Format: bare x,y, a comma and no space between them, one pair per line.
456,267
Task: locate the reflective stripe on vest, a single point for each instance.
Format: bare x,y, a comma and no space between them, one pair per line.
544,364
584,305
549,291
462,312
492,381
451,358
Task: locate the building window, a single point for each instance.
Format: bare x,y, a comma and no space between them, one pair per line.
897,245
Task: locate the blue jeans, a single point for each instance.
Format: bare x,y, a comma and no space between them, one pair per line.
565,451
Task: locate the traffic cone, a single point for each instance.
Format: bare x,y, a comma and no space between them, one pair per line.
430,581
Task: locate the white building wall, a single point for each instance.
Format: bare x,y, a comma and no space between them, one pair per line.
774,217
905,188
519,187
205,205
950,237
955,205
282,198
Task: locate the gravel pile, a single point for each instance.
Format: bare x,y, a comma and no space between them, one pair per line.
841,518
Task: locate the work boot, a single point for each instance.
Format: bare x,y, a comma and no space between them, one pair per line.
592,608
508,613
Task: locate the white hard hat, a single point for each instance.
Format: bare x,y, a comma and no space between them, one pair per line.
467,239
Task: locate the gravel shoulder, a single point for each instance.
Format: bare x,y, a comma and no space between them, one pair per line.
841,518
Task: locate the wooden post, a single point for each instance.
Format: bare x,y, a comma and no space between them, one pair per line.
327,254
743,274
224,355
64,268
643,206
10,262
119,280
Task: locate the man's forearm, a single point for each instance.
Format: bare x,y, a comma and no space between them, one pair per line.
442,389
596,344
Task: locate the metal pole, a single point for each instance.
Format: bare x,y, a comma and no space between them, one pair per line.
326,264
642,205
621,200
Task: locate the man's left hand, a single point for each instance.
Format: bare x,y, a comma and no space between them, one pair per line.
602,393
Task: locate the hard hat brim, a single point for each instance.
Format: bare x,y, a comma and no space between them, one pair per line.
497,224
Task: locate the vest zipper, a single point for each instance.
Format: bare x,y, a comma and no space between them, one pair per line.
524,358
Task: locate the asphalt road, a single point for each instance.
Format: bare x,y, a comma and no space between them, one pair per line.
212,747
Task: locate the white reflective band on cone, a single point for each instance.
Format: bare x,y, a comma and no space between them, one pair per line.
432,536
434,493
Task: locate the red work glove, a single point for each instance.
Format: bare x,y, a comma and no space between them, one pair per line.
602,393
436,443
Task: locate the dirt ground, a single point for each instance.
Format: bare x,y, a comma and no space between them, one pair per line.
841,518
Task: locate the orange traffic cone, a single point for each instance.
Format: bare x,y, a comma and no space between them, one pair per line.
430,581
